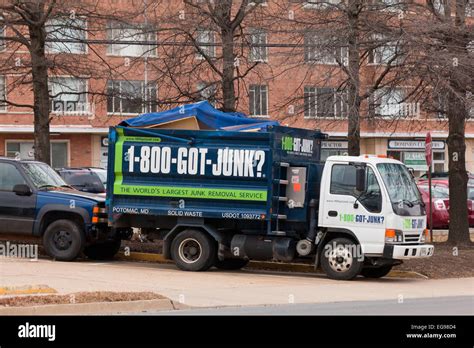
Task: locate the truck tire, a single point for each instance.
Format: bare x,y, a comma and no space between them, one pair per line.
103,250
193,250
63,240
339,261
231,264
377,272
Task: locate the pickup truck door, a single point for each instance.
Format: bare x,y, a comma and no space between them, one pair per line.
17,213
365,218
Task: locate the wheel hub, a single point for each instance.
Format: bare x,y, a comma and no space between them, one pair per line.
62,240
340,258
190,250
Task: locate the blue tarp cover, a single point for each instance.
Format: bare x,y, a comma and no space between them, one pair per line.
205,114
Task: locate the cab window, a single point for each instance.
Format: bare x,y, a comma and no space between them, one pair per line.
343,182
9,177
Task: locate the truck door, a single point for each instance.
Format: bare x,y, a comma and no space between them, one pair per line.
17,213
360,212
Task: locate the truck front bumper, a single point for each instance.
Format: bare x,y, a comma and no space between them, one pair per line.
405,252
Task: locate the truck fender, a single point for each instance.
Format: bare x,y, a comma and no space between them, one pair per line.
38,227
331,233
168,238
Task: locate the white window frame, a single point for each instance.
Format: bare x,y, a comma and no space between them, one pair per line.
258,53
67,45
31,141
3,45
3,93
390,110
206,36
84,106
338,97
313,53
116,32
379,56
145,106
262,89
321,4
258,3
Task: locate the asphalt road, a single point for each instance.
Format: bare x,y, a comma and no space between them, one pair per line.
460,305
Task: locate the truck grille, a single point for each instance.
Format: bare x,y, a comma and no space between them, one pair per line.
412,237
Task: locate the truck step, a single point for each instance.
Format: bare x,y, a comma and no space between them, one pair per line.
280,181
281,199
284,164
279,233
279,216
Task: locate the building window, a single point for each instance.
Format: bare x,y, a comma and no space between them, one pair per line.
258,53
2,34
389,102
321,51
258,2
127,39
3,94
258,100
66,29
69,95
470,8
324,102
131,97
385,52
205,41
207,91
438,6
24,150
321,4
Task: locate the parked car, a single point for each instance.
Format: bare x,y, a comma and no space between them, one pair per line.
440,187
445,176
440,195
88,179
35,201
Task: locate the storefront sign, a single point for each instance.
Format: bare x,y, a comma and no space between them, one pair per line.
414,144
334,145
415,160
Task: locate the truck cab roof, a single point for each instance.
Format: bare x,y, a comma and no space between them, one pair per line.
372,159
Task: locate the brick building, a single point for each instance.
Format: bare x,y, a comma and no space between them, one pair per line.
87,104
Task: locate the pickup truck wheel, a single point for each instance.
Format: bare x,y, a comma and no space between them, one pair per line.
103,250
377,272
339,259
193,250
63,240
231,264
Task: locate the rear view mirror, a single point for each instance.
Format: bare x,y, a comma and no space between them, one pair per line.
360,179
22,190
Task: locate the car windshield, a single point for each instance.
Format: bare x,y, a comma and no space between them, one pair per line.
81,178
399,182
102,174
43,175
437,191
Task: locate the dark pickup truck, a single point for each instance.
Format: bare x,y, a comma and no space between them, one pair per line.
35,201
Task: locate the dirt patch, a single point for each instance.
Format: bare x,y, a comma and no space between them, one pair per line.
445,263
78,297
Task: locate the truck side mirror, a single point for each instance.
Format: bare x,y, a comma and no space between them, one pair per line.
360,179
22,190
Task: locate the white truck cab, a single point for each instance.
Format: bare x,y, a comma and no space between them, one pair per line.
374,199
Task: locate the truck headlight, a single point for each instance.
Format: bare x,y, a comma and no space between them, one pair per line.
424,235
393,236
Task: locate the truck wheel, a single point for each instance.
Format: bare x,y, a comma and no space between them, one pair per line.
231,264
193,250
63,240
103,250
339,260
377,272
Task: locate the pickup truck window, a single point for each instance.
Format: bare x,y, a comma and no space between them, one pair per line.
343,182
9,177
43,175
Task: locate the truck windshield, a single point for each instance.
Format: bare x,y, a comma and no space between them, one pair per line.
401,188
42,175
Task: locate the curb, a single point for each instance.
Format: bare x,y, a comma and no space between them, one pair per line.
262,265
26,290
94,308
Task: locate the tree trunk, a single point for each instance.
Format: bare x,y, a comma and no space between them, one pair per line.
353,133
228,92
458,222
40,94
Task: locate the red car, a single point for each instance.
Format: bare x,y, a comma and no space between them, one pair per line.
440,193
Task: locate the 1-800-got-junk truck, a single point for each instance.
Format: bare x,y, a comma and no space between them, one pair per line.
223,197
